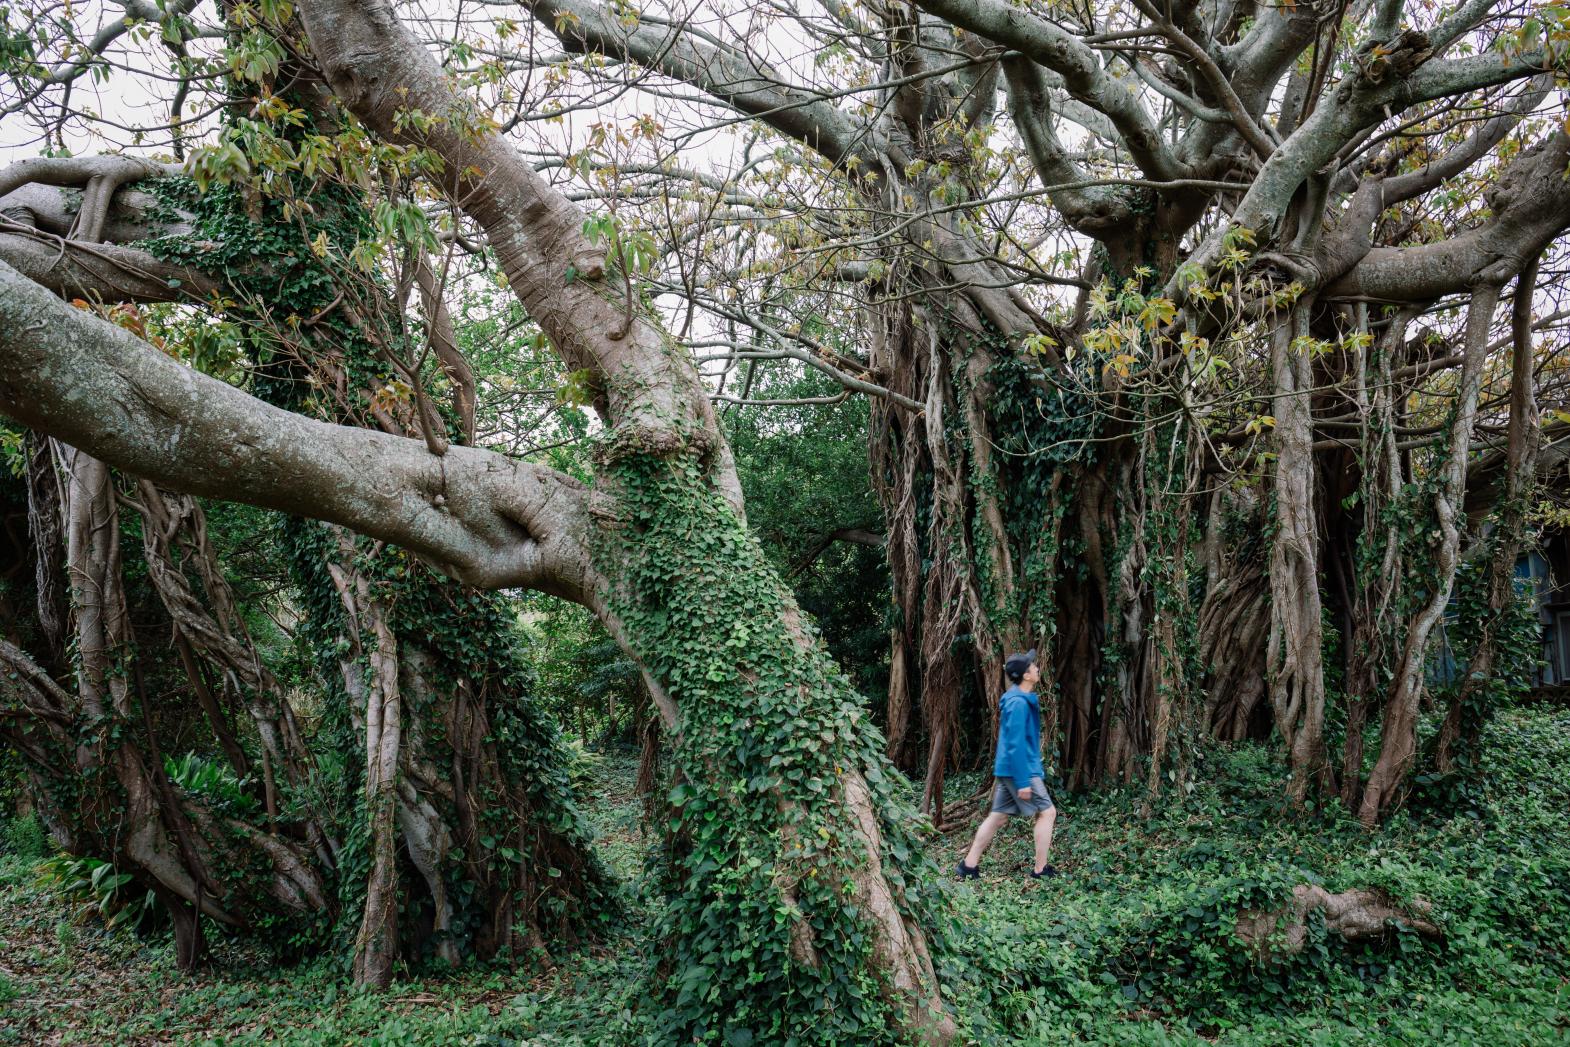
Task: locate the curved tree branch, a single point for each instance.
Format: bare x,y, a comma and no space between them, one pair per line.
653,396
485,519
727,75
1349,241
1081,69
1090,210
1531,206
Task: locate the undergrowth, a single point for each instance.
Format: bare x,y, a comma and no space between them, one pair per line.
1134,945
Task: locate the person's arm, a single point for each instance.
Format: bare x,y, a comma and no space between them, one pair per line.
1015,758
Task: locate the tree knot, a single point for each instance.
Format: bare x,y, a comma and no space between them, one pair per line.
1397,57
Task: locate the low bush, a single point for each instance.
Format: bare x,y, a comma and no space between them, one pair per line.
23,837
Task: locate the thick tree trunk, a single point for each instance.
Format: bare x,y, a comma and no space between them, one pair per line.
1234,619
92,553
44,517
370,678
1376,571
915,477
1293,653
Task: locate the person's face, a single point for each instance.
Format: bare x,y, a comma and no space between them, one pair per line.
1032,676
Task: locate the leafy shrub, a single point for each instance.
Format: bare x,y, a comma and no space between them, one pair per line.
585,767
213,782
23,837
96,889
1184,954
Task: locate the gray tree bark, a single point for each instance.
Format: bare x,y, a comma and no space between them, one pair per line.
1398,729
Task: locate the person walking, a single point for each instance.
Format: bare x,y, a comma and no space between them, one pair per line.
1018,789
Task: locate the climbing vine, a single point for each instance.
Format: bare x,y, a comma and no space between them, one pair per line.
765,926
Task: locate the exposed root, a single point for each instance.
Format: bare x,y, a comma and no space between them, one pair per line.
1358,915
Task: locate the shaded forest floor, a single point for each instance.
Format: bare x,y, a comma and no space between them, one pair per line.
1132,946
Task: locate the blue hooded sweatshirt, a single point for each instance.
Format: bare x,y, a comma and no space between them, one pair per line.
1019,738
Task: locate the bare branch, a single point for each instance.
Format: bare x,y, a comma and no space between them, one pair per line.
725,74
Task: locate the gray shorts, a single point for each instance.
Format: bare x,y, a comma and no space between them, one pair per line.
1005,798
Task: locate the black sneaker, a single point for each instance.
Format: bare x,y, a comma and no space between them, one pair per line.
968,872
1046,873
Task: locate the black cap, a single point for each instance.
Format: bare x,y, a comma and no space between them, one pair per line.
1016,664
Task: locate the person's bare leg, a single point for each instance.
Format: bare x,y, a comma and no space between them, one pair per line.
989,829
1044,822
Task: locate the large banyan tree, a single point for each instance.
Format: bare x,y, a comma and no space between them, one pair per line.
1180,326
1204,344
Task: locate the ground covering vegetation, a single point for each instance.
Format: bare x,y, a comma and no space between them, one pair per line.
502,502
1134,945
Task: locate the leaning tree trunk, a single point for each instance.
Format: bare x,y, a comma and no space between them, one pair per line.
796,814
1466,713
1398,726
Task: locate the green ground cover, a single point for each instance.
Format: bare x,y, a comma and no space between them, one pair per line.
1134,945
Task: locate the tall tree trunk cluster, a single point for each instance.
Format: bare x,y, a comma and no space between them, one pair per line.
95,750
1084,530
471,831
1019,505
1009,528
